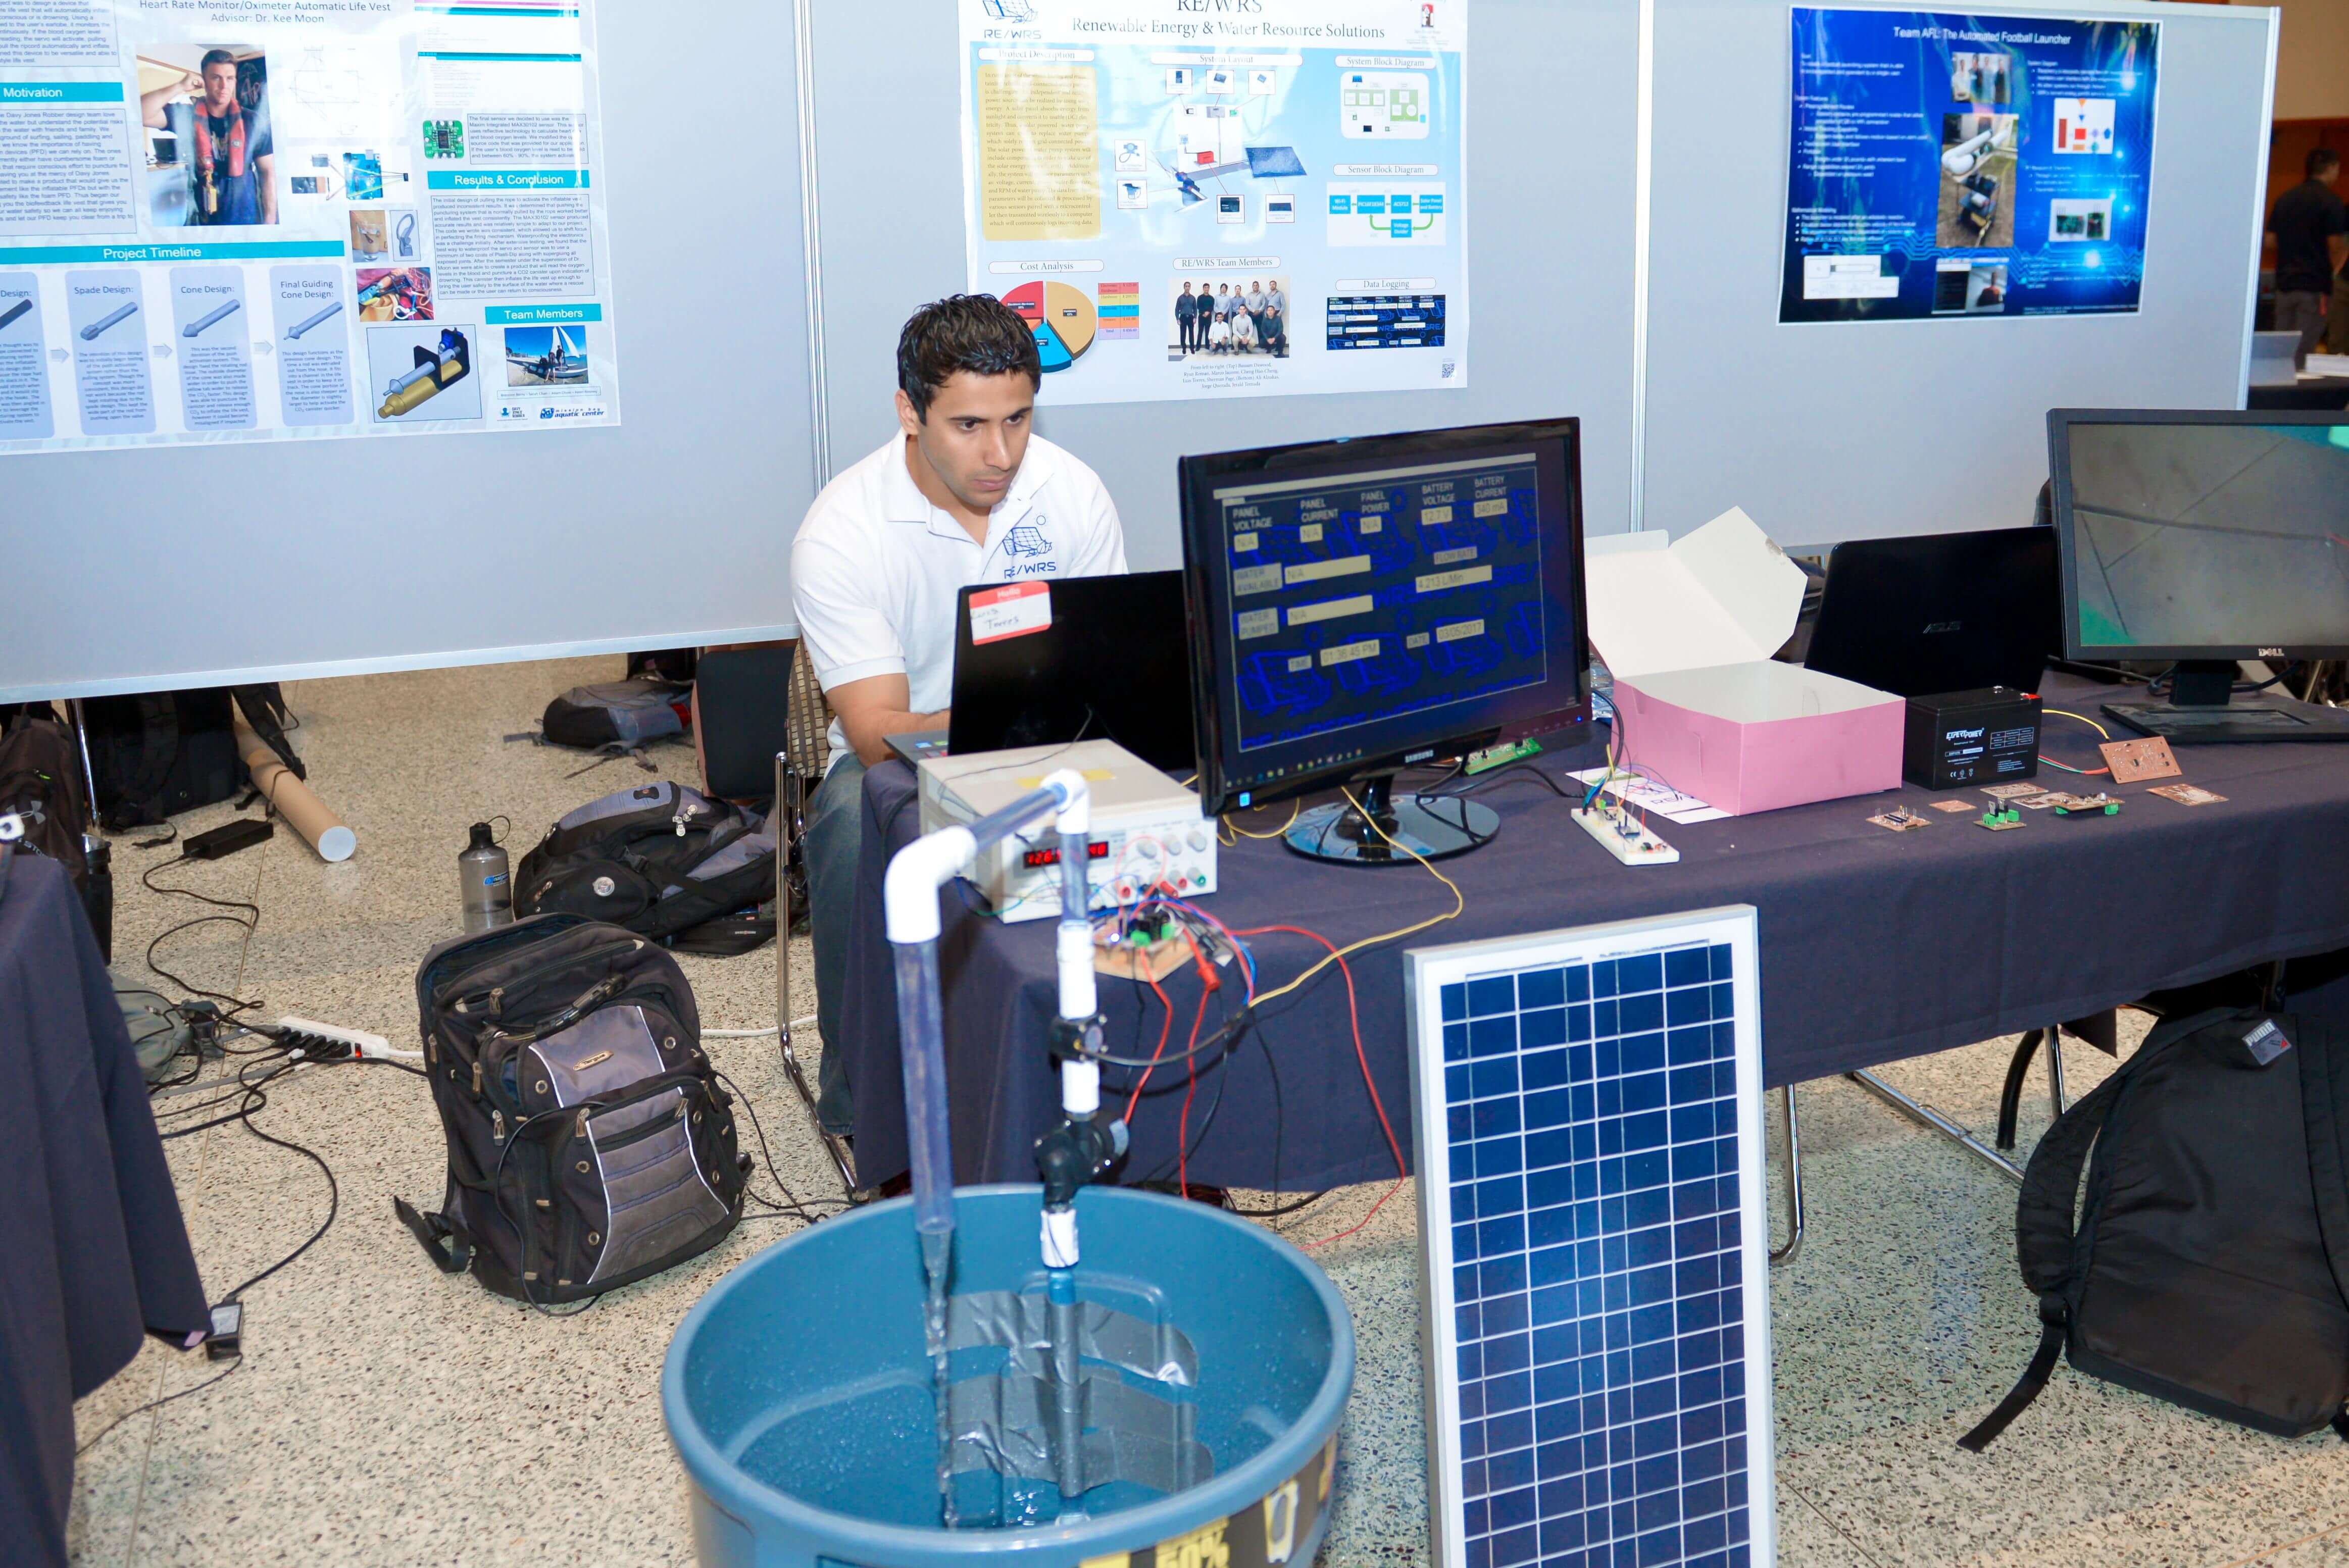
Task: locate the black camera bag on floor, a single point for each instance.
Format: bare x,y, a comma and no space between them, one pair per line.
663,861
2210,1266
589,1142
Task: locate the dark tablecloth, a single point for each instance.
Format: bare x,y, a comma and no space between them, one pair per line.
92,1249
2319,396
1874,946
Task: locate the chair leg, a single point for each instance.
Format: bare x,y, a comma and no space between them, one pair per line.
834,1146
1781,1256
2010,1099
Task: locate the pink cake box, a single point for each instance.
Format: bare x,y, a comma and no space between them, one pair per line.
1755,736
1687,628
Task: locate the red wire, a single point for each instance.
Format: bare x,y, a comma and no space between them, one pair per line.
1165,1030
1362,1057
1182,1132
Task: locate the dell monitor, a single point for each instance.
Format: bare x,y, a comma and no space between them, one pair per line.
1361,606
2204,538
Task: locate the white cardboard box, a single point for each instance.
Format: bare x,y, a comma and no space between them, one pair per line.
1687,628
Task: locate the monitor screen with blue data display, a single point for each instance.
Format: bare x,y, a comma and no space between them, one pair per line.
1365,603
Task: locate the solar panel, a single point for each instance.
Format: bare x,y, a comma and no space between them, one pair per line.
1587,1123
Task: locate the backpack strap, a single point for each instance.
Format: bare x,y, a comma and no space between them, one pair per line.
449,1252
2045,1240
2043,1246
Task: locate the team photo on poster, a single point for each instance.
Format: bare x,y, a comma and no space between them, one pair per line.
1951,165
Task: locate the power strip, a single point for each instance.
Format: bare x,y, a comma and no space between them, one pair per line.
1625,838
361,1044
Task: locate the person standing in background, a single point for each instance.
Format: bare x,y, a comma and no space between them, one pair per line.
1254,305
1276,319
2309,222
1186,311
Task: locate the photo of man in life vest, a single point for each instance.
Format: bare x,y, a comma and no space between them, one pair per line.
210,162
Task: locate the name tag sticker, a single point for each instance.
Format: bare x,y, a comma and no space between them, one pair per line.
1014,610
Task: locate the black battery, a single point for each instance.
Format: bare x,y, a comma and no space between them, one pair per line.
1989,735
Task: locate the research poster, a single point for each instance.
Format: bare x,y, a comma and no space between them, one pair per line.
1953,167
1221,197
240,219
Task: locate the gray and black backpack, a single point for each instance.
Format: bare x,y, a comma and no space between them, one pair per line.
663,861
590,1143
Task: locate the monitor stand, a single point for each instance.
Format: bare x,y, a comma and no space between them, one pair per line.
1431,826
2202,710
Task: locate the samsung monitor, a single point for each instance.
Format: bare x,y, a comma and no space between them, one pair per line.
1940,611
1363,605
2204,538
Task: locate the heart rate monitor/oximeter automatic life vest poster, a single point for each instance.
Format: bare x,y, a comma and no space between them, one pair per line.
1953,166
301,221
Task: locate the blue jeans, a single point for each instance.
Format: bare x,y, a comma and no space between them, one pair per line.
835,834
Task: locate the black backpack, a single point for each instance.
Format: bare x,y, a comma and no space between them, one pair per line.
2210,1263
589,1142
41,785
161,753
663,861
619,713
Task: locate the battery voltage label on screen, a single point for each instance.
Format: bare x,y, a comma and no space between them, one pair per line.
1382,595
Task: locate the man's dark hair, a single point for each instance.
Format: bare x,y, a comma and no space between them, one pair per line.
213,58
2322,162
977,333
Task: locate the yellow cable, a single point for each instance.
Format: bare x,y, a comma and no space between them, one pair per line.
1244,833
1459,903
2084,719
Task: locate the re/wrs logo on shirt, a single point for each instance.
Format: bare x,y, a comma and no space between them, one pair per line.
1028,540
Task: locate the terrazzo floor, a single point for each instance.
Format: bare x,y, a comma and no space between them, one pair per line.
385,1415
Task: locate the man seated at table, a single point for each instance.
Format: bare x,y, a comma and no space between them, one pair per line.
962,492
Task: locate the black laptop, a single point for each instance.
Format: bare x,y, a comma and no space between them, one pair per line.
1088,659
1941,611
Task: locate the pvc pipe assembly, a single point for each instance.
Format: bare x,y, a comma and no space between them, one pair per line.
89,334
308,322
910,900
197,327
14,311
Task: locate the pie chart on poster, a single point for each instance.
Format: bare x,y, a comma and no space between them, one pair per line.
1061,317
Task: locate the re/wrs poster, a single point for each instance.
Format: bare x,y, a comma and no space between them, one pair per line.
1220,199
1951,166
238,220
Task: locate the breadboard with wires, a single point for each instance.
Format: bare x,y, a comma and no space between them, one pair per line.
1625,837
1143,961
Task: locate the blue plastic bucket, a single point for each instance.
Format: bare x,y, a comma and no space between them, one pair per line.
798,1392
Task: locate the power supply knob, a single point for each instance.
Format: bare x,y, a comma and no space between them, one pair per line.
1198,840
1146,849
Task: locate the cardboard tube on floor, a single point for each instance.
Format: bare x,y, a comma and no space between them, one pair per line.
293,799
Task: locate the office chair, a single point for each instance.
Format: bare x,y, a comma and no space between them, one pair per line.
763,725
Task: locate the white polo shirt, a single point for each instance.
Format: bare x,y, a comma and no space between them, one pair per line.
876,567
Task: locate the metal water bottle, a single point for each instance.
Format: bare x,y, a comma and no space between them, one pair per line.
484,885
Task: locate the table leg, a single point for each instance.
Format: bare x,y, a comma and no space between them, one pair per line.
835,1147
1781,1256
1933,1120
2055,1070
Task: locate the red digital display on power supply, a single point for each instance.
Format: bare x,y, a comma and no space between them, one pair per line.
1095,850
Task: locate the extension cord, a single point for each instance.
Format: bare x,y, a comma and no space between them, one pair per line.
1629,841
374,1047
